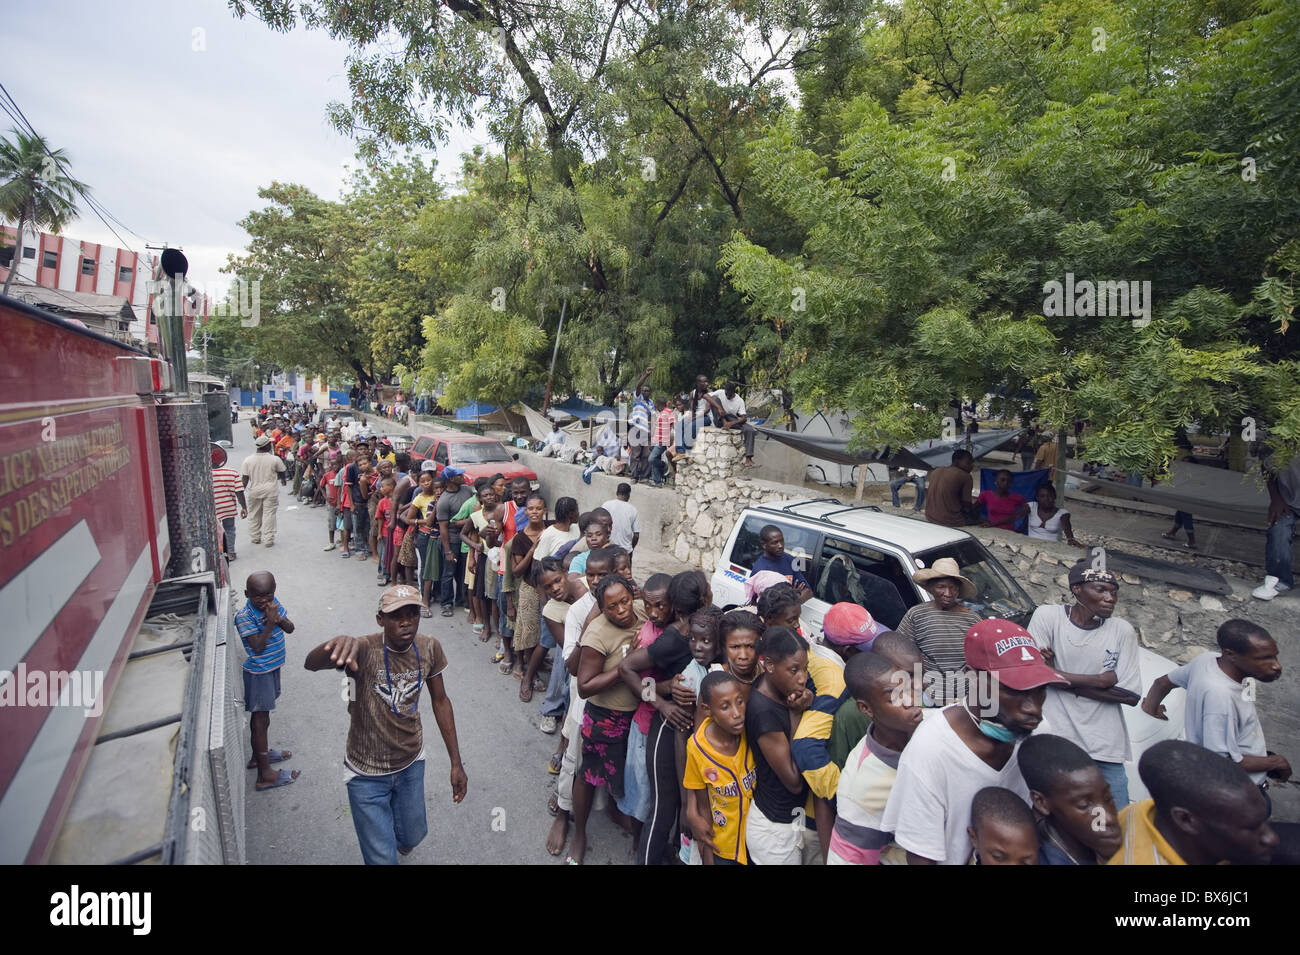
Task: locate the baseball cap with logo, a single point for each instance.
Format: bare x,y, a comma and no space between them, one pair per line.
849,624
450,472
398,596
1084,573
1006,650
428,466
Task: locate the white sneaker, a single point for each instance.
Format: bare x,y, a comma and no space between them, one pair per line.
1269,589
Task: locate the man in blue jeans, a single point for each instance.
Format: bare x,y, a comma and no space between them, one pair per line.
1283,510
455,493
912,477
384,759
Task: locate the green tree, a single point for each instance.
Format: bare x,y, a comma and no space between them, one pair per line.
36,189
580,96
301,252
982,154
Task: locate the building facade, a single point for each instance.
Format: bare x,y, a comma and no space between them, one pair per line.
67,265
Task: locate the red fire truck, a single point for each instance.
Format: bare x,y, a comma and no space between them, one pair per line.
113,668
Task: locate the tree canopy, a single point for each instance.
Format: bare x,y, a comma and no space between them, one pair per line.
875,206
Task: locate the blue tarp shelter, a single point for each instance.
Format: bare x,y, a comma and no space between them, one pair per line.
474,409
1024,483
580,409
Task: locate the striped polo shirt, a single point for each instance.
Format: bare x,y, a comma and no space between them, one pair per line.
940,635
249,623
225,483
859,837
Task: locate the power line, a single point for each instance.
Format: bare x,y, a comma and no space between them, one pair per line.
101,212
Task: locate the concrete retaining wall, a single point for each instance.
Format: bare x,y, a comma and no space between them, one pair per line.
659,508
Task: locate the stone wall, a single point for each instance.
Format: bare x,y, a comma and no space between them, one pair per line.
713,493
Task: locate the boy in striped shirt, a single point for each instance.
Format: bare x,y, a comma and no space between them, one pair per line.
262,625
891,698
227,490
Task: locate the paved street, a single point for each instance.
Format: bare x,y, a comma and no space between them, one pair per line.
503,818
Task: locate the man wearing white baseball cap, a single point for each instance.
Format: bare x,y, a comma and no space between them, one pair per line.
969,745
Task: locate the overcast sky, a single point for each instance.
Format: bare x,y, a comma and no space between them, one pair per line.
173,140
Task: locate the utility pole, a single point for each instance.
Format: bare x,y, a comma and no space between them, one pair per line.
546,400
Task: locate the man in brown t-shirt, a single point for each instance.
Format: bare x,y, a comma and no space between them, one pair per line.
948,497
385,749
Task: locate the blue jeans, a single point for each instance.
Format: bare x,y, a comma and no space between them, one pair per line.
636,778
1277,550
658,469
452,582
920,490
504,626
388,813
557,691
1117,779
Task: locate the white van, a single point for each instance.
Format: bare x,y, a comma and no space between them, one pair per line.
857,553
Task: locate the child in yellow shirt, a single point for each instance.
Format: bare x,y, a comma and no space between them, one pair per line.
719,773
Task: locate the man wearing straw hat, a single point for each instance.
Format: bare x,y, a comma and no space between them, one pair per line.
939,628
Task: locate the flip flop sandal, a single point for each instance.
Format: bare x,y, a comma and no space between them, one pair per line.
448,612
426,612
570,860
274,756
284,779
478,628
505,669
553,767
498,657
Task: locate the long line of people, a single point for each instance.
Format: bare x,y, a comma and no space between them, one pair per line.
728,736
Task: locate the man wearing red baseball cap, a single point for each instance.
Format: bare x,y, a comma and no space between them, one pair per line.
969,744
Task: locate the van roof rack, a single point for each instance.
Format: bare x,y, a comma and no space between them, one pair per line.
825,518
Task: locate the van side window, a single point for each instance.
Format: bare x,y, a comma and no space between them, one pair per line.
440,455
422,446
801,543
870,578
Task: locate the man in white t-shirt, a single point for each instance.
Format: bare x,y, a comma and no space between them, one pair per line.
1220,713
729,410
969,745
626,532
1097,653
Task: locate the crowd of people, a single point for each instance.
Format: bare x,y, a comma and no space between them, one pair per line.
729,735
659,431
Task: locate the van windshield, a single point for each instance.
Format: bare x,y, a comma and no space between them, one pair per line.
998,595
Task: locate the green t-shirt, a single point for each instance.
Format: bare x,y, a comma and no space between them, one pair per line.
847,730
465,511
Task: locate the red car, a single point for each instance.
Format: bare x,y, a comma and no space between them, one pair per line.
480,457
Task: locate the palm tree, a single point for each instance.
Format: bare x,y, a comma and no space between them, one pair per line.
34,189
